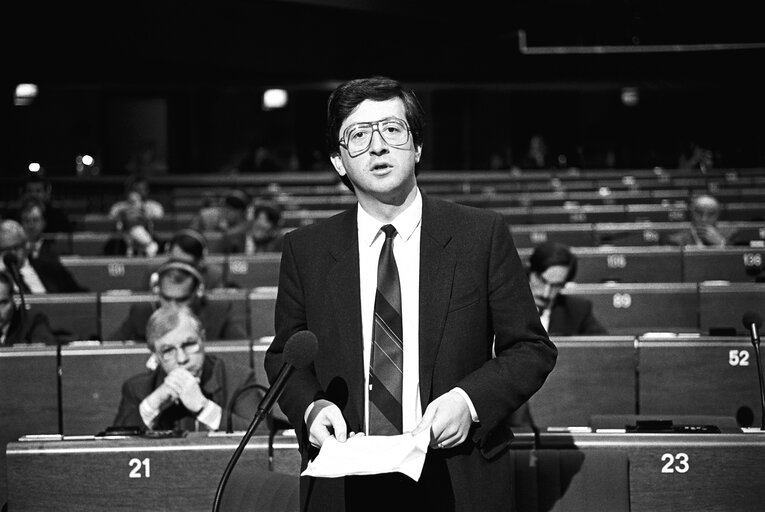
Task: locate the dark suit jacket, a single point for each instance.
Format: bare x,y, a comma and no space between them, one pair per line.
55,276
218,318
571,316
34,329
221,382
472,285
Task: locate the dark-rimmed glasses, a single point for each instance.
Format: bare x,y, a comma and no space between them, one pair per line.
358,137
170,352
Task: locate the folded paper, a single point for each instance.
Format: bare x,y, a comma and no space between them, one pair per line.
370,455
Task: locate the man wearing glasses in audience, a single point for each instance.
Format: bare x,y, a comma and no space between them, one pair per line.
180,283
189,390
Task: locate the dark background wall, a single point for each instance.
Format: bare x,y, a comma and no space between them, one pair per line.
180,85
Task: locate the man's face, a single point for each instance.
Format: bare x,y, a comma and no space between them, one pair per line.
15,243
705,212
546,286
181,347
33,222
6,305
261,228
181,293
37,190
383,172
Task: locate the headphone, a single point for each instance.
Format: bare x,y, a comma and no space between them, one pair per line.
184,267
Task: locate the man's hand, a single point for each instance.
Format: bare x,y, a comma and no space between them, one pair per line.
711,235
186,387
324,420
448,418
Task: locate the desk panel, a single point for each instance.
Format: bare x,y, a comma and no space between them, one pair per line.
711,376
252,271
593,375
629,264
72,316
100,274
737,264
135,474
678,472
573,235
633,309
262,308
28,397
722,306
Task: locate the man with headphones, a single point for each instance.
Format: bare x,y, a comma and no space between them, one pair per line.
179,282
190,245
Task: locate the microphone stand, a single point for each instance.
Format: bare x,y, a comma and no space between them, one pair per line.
756,345
260,414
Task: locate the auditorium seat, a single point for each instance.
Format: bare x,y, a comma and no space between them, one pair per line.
722,306
100,274
636,308
737,264
72,316
635,234
587,365
262,305
250,271
573,235
629,264
710,376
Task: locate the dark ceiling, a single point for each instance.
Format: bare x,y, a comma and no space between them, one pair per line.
293,42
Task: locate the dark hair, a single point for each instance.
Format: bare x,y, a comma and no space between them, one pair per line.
191,242
236,199
273,213
550,254
349,95
134,179
28,202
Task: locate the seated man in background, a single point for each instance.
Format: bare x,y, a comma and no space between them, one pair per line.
137,198
180,283
190,245
134,236
18,325
229,218
41,275
551,266
32,216
704,231
189,389
56,219
265,233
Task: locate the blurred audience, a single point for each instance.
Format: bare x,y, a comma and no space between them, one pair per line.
190,245
537,154
188,390
704,230
229,218
137,201
57,220
32,215
696,156
39,275
180,283
133,236
265,232
18,325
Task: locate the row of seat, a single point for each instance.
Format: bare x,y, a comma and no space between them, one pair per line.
634,264
630,309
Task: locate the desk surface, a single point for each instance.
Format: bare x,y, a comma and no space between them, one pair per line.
134,473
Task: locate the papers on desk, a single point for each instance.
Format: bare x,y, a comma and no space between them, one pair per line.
370,455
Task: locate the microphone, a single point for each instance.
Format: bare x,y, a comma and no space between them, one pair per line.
299,352
752,322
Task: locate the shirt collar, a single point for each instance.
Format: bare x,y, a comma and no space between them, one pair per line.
405,223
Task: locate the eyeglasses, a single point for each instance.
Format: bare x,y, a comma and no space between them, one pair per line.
170,352
358,137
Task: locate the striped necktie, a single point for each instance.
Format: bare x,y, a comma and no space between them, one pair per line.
386,372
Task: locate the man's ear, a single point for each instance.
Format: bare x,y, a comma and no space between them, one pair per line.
337,163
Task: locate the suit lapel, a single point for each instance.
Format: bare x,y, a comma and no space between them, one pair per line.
437,264
345,311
